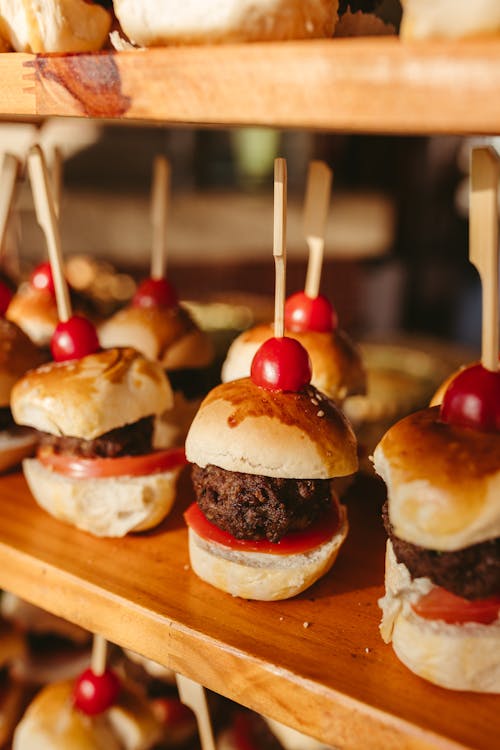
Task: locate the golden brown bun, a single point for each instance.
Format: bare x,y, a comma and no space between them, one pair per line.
88,397
52,723
443,481
459,657
425,19
241,427
35,311
167,335
337,368
54,25
15,444
17,355
152,23
12,701
111,506
263,576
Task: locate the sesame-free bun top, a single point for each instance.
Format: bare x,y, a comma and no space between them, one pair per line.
242,427
443,481
17,355
337,367
35,311
87,397
167,335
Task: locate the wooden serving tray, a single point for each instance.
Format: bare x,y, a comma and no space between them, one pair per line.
355,85
315,662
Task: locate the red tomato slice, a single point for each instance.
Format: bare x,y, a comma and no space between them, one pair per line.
297,541
127,466
440,604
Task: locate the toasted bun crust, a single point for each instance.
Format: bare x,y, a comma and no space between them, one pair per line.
443,481
54,25
337,367
264,577
108,507
169,336
52,723
15,445
459,657
151,23
17,355
35,311
424,19
88,397
241,427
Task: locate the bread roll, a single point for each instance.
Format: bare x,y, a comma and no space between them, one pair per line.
156,22
35,312
425,19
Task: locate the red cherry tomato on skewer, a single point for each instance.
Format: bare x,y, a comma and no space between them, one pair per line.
155,293
41,278
5,298
73,339
473,399
281,364
94,693
303,313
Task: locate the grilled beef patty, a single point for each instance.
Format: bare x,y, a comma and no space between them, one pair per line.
255,507
130,440
472,572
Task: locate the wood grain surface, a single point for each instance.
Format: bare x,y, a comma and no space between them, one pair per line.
315,662
356,85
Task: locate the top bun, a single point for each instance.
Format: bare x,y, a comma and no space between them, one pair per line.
443,481
425,19
151,23
337,368
17,355
35,311
242,427
167,335
88,397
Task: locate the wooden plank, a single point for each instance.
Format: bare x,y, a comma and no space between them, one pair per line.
334,679
357,85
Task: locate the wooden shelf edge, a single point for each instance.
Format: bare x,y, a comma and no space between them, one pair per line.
351,85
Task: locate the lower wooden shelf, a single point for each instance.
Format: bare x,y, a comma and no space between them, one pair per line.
315,662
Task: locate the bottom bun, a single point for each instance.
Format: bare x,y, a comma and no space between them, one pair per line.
15,444
104,507
263,576
459,657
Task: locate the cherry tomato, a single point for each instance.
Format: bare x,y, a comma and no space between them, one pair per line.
155,293
473,399
5,298
73,339
323,529
281,364
303,313
127,466
94,693
440,604
42,279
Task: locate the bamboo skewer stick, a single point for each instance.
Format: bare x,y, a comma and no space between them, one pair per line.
317,203
483,245
57,179
8,179
46,217
279,244
160,200
99,655
193,695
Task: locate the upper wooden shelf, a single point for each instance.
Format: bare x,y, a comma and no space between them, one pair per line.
315,662
352,85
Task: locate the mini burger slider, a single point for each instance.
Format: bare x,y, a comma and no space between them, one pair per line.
441,465
267,524
95,466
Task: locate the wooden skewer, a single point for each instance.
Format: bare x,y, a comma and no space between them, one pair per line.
57,179
11,167
193,695
99,655
317,203
46,217
483,245
279,245
160,198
